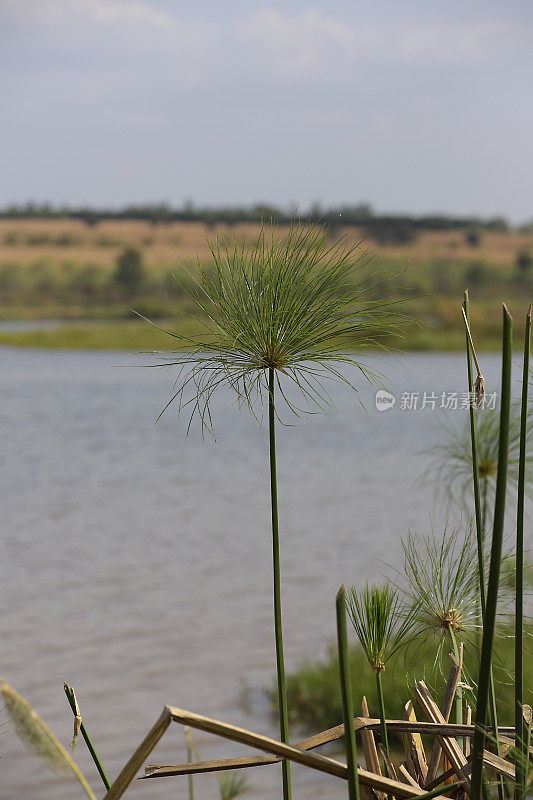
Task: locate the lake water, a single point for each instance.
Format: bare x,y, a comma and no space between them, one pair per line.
136,561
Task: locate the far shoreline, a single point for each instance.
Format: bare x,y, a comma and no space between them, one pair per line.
137,335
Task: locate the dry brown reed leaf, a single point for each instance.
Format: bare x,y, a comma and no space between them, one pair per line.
479,389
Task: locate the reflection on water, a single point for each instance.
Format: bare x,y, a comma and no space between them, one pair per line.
137,564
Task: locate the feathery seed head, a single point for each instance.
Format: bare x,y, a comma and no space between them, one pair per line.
295,304
38,737
382,624
440,577
451,466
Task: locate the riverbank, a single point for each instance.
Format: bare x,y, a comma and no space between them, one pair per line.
139,335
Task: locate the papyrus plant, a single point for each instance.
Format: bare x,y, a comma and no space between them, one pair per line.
451,464
440,578
383,625
280,317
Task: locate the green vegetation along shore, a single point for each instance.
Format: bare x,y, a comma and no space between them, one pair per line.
139,335
314,696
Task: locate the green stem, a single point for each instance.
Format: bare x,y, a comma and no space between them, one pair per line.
495,563
346,693
480,506
280,663
493,718
71,697
459,690
520,727
382,716
444,788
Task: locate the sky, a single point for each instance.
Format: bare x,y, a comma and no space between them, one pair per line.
413,106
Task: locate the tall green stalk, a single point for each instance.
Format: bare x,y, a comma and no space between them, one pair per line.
346,693
480,506
280,662
491,601
520,726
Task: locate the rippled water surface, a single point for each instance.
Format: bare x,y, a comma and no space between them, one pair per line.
136,562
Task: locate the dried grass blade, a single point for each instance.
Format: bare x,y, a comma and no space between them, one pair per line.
320,763
415,752
369,748
450,746
451,686
129,772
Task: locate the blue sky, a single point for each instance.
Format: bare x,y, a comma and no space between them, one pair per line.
410,105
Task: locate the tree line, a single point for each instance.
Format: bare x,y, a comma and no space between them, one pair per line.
394,227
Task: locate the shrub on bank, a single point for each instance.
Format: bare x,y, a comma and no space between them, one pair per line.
313,692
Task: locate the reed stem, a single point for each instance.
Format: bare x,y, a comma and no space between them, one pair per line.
444,788
475,463
520,727
459,689
346,692
71,697
280,663
480,506
495,563
382,715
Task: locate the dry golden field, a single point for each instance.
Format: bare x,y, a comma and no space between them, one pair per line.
164,245
55,268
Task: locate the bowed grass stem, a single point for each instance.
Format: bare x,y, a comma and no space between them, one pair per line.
71,697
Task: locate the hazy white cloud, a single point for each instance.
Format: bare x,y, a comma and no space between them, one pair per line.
310,43
300,45
453,41
276,44
127,17
122,31
201,100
